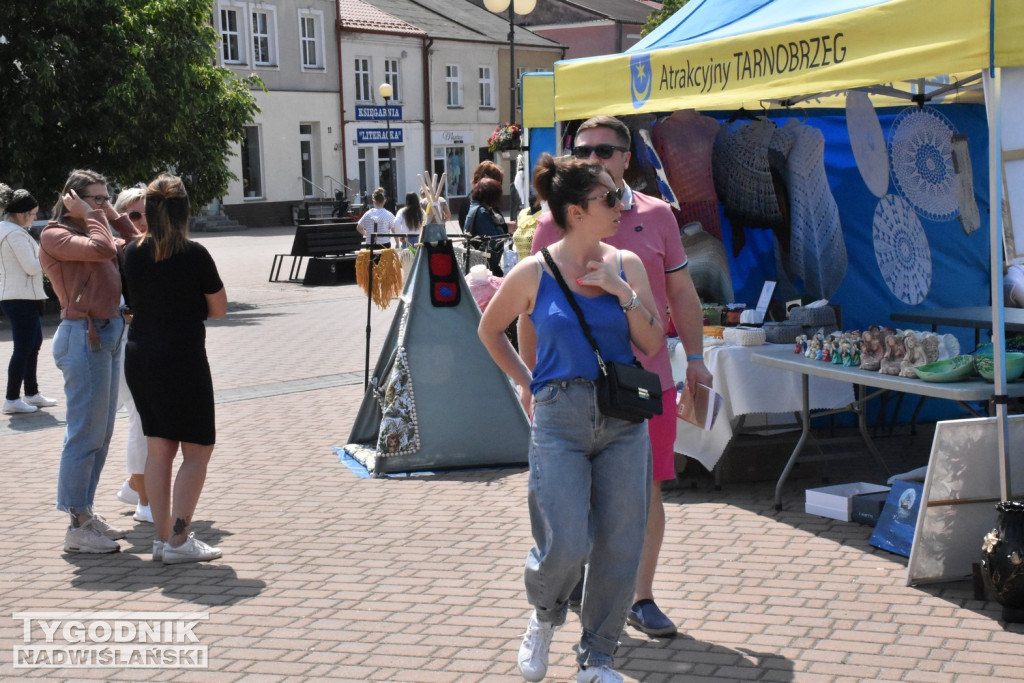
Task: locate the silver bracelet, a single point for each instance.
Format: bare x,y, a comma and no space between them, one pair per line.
631,304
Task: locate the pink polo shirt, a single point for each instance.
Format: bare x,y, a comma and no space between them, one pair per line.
649,230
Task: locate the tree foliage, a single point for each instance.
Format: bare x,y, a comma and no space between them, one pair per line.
658,16
129,88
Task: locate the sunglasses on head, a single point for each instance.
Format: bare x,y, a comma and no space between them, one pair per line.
610,197
134,215
602,151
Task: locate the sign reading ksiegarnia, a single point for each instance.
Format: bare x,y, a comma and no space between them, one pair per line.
110,640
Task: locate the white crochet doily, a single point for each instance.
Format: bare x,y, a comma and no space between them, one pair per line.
901,249
868,142
920,151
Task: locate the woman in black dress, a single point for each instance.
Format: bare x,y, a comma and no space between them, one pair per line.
174,287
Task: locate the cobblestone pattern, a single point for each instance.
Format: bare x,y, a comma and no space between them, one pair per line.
328,576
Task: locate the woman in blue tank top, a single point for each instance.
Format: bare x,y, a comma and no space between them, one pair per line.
589,473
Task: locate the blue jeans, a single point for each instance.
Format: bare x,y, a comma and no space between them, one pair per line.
90,390
27,331
589,489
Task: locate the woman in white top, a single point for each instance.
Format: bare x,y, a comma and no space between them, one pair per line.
377,220
21,288
409,218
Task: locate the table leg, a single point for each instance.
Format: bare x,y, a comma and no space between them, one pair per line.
805,419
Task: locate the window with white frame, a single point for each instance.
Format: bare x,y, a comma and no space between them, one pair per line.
252,169
264,35
453,85
391,76
232,34
363,92
311,42
486,88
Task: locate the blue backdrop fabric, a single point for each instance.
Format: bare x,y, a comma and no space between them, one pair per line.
959,262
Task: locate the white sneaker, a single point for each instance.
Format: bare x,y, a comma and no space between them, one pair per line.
192,550
40,401
598,674
17,406
127,494
158,550
143,514
533,653
88,539
111,532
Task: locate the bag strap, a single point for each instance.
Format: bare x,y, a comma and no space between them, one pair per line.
575,307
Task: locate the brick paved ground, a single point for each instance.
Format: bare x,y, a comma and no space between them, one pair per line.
326,575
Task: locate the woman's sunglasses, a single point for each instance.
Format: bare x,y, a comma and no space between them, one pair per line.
602,151
611,198
134,215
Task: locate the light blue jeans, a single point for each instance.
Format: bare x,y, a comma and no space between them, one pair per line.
589,489
90,390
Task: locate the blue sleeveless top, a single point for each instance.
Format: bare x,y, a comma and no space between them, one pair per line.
563,352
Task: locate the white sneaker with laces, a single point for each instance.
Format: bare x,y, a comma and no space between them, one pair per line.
143,514
192,550
598,674
533,653
88,539
111,532
158,550
40,401
17,406
127,494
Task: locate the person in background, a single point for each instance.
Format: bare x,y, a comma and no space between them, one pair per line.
526,226
132,202
649,229
80,256
485,220
589,480
21,289
377,220
409,218
486,169
174,287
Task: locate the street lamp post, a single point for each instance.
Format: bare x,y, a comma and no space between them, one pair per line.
520,7
386,91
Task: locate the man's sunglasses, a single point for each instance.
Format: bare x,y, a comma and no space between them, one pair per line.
602,151
610,197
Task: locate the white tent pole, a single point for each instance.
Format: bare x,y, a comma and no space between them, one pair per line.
995,195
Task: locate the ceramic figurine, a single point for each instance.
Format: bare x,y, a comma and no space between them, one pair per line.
841,353
871,349
893,356
855,358
800,339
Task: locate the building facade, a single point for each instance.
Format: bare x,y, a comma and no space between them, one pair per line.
292,147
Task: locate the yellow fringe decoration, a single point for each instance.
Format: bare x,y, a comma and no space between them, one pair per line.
387,276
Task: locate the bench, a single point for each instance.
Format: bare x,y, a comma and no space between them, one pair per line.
340,239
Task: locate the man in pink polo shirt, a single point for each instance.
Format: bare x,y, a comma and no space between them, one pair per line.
649,230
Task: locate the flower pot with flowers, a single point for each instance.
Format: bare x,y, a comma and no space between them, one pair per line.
505,137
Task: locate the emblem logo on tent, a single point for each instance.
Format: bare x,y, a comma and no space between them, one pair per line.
640,79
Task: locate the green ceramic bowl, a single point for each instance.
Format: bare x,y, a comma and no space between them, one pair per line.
949,370
984,363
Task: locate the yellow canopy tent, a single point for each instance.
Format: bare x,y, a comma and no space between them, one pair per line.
724,54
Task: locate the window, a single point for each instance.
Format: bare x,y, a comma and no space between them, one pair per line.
311,24
453,85
486,88
230,36
452,161
391,76
252,172
264,37
363,92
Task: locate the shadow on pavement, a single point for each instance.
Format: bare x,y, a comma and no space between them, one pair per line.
688,659
237,319
206,583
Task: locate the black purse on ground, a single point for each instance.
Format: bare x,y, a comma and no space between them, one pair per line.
624,390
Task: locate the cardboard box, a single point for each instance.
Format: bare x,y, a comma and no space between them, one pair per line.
836,502
867,507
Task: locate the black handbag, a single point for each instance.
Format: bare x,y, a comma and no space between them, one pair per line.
624,390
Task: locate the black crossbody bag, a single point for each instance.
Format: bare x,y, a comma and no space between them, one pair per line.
624,390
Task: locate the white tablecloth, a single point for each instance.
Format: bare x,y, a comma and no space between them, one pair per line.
747,388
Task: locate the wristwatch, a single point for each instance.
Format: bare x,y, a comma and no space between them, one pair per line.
631,304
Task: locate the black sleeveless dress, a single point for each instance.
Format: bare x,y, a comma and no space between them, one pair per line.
165,356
